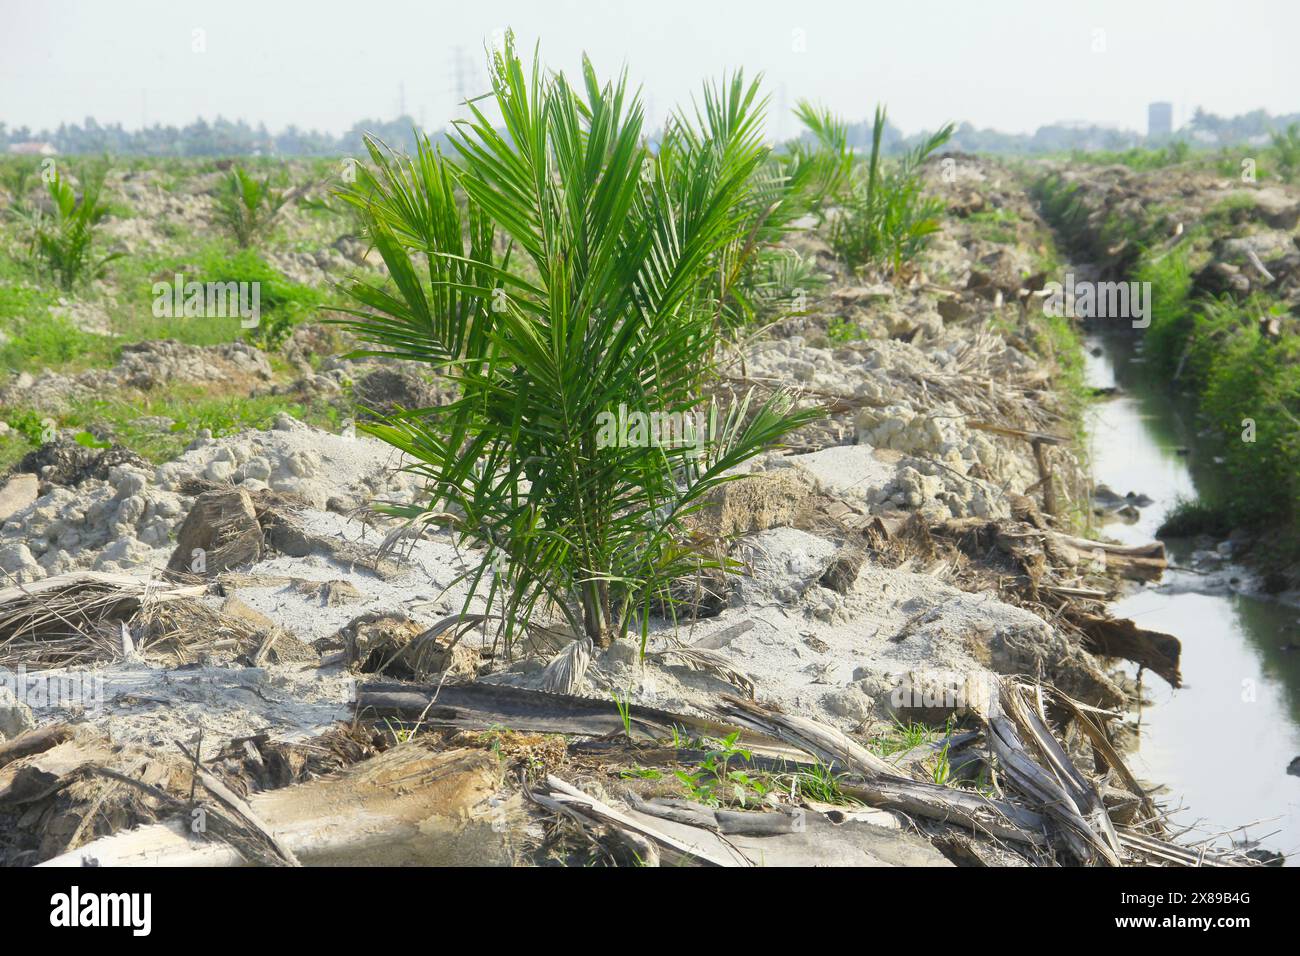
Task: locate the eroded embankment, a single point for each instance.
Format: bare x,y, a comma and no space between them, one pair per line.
1220,261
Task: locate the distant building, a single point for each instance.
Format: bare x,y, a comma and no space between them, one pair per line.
33,149
1160,120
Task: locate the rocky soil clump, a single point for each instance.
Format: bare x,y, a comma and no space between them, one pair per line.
110,511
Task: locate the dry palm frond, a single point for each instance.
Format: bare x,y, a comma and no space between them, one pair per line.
180,627
707,660
1049,801
567,669
77,618
1152,851
1036,764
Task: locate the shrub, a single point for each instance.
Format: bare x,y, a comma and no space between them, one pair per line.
283,303
1240,375
15,179
1140,158
1062,204
1189,518
1247,382
49,340
1170,276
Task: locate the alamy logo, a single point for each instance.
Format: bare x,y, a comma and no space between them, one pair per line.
75,909
208,300
942,689
1099,300
65,689
630,428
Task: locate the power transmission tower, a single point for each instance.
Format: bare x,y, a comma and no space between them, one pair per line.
462,72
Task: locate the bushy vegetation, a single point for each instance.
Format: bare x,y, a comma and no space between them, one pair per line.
612,307
132,423
1247,382
885,218
16,178
1280,159
36,338
50,342
1116,245
1140,158
1248,387
995,225
1170,276
1190,517
1062,204
283,303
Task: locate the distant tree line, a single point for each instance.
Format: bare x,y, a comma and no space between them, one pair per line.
1204,129
222,137
1255,126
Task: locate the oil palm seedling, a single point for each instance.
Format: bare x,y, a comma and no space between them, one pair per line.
15,177
1286,149
556,273
885,219
247,207
751,274
24,216
827,157
64,240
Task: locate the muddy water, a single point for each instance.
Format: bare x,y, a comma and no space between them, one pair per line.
1223,742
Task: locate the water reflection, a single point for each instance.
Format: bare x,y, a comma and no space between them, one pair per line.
1222,743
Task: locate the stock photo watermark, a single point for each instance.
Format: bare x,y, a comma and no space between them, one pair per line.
64,690
1085,299
75,909
208,300
942,690
632,428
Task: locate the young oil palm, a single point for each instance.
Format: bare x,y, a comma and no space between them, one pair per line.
64,241
604,320
750,272
1286,150
246,206
885,219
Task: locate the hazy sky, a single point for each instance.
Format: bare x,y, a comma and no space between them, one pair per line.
1008,64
